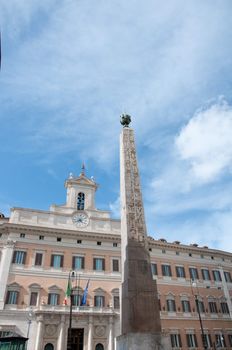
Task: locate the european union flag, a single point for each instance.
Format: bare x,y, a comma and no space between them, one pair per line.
84,297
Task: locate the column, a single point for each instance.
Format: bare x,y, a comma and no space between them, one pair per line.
39,335
61,338
111,333
90,335
5,263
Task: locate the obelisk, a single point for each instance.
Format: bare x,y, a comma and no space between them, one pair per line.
140,316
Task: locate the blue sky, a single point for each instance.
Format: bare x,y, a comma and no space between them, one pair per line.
70,68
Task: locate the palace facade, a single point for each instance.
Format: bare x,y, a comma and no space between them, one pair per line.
42,250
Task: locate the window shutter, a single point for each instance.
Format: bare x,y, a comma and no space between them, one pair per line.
94,263
38,259
103,264
73,262
52,261
14,257
24,257
82,262
61,261
115,265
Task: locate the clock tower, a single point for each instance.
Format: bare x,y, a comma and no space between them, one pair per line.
80,192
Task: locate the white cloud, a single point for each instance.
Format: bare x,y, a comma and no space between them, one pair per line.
206,142
115,208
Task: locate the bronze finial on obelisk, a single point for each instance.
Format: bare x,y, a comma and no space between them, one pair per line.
140,316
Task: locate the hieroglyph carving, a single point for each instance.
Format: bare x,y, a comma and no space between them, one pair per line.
133,197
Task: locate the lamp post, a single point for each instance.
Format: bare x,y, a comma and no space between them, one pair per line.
30,316
193,284
71,278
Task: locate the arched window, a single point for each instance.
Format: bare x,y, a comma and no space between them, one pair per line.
49,346
99,346
80,201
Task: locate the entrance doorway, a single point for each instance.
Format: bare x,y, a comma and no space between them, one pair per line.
99,346
77,339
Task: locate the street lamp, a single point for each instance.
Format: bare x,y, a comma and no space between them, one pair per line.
193,284
30,316
71,278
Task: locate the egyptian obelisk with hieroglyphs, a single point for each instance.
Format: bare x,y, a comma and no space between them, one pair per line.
140,316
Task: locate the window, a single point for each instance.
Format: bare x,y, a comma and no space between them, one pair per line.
176,340
22,235
193,273
216,275
116,302
227,276
185,306
115,265
57,260
38,259
213,307
206,340
53,299
205,274
180,272
115,244
58,239
192,340
99,301
76,298
99,264
19,257
99,243
224,308
49,346
201,306
154,269
12,297
230,339
166,270
81,201
41,238
220,341
163,251
79,241
33,298
78,262
171,305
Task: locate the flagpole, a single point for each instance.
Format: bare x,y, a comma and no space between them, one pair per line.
78,291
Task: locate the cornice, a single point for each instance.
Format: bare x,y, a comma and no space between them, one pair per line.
9,227
153,243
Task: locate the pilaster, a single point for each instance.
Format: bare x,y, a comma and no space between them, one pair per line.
7,253
90,333
39,335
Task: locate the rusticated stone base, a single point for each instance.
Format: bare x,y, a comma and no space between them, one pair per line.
143,341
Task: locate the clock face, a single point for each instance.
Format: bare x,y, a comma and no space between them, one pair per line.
80,219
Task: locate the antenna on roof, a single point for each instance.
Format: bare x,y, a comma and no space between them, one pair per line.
83,169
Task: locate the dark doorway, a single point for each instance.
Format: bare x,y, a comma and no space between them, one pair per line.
99,346
77,339
49,346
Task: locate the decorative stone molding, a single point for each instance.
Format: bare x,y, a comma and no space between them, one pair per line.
100,331
50,330
9,244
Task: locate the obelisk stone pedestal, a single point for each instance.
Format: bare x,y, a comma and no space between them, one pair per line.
140,315
143,341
